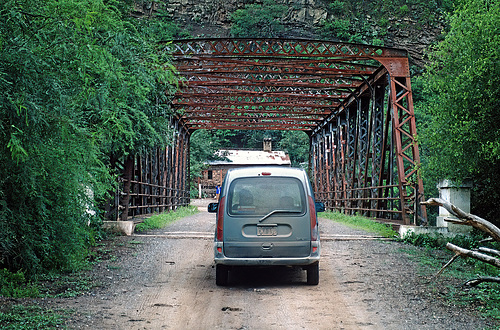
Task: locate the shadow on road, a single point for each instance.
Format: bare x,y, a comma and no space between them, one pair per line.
251,277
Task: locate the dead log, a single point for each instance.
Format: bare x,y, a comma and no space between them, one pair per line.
467,219
461,252
490,251
474,254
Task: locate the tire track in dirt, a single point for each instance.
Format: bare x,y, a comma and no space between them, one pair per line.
169,283
184,294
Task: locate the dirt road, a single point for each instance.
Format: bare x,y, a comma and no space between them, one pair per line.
166,280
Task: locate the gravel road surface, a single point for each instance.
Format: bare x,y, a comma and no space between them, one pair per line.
165,279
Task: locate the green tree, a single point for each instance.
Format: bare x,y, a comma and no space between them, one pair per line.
258,20
205,143
81,84
296,144
461,139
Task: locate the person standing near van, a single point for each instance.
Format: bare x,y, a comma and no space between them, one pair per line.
217,192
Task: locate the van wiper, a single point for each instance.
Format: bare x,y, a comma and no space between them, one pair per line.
277,211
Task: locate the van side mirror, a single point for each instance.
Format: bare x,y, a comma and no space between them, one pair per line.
212,207
320,206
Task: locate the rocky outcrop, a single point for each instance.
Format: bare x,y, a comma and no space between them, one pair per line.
412,37
212,18
217,13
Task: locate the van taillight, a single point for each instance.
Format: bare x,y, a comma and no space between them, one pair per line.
312,214
220,218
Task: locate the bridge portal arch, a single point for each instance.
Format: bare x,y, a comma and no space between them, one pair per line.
354,101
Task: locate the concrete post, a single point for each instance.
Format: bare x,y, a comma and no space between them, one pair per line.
458,195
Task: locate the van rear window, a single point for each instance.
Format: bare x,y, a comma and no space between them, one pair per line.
261,195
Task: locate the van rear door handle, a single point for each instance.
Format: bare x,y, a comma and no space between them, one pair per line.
267,246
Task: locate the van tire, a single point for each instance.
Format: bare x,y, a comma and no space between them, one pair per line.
313,274
221,275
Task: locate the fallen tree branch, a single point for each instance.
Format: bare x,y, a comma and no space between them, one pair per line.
487,239
490,251
447,264
468,219
474,254
476,281
465,218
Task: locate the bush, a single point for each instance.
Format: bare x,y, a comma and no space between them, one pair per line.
337,7
15,285
82,85
338,28
403,10
439,241
30,317
258,20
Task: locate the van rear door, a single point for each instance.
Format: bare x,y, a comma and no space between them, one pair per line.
267,217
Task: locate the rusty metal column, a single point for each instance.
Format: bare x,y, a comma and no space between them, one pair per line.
127,178
343,162
172,169
183,168
377,148
164,181
350,156
177,145
150,184
363,154
404,133
320,162
329,166
187,172
397,132
334,167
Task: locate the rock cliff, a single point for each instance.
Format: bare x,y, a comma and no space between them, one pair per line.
304,18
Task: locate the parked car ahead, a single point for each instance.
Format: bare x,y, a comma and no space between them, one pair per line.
266,216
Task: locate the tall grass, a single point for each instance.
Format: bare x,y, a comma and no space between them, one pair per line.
32,317
158,221
360,222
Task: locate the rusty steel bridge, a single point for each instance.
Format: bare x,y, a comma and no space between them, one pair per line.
354,102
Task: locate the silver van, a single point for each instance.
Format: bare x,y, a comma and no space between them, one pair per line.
266,216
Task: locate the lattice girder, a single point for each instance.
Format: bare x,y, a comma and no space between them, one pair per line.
364,157
270,72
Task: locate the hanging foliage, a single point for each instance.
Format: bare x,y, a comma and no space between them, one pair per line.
81,83
462,140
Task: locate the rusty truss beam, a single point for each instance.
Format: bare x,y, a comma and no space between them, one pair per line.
153,181
270,74
281,47
354,101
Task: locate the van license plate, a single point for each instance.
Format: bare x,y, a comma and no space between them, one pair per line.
267,231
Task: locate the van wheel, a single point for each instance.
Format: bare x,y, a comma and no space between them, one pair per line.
221,275
313,274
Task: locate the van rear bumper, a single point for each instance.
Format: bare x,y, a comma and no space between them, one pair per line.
221,259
